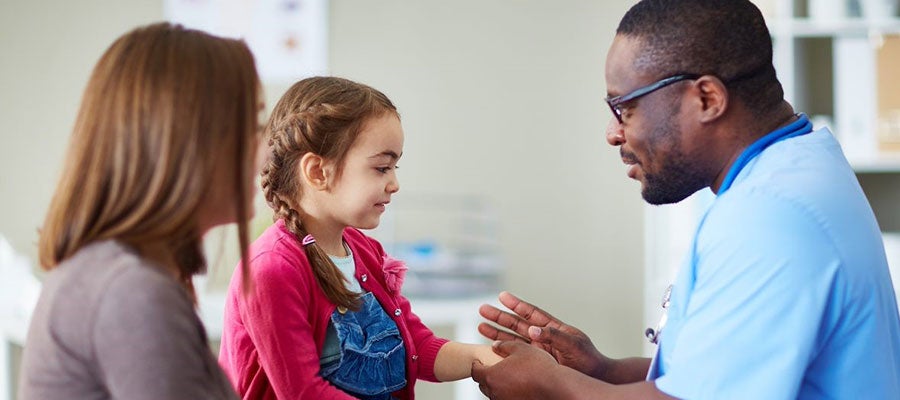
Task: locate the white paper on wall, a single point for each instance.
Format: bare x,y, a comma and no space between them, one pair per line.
289,38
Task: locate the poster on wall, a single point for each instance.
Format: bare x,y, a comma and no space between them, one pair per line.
289,38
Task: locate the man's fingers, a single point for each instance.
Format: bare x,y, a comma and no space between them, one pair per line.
492,332
489,312
550,336
508,299
478,370
478,375
484,390
554,338
504,349
527,311
505,319
535,333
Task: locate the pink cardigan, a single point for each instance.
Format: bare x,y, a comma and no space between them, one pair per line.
272,336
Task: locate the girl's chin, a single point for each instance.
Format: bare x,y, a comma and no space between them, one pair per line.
368,225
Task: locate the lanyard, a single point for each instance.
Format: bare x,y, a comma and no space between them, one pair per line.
799,127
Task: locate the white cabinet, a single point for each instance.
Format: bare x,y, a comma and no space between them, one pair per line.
834,67
838,62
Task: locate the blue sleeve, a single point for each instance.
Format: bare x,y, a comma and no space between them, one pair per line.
763,272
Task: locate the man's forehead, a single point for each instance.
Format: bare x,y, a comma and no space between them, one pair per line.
622,67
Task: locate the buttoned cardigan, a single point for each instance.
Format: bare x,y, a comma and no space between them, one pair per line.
273,334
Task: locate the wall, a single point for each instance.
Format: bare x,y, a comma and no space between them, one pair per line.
505,99
499,98
48,49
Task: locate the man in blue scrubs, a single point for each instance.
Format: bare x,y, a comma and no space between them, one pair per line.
785,293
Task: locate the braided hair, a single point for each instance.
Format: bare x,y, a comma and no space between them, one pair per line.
324,116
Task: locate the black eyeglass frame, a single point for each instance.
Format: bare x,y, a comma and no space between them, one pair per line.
615,101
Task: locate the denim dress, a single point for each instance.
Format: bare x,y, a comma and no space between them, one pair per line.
372,359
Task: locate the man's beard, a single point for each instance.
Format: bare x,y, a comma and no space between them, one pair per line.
674,183
677,178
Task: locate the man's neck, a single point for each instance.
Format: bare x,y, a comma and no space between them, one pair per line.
747,130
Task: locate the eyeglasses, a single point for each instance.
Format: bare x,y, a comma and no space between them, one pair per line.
616,101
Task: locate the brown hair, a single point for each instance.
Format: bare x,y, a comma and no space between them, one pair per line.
322,115
164,109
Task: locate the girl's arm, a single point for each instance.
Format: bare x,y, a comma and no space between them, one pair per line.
439,359
454,360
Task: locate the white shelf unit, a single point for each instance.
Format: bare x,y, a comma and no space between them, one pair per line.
807,27
828,68
450,242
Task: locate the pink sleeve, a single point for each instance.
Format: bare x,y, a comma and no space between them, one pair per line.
275,315
427,344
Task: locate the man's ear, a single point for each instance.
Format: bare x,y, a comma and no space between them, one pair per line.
713,97
312,169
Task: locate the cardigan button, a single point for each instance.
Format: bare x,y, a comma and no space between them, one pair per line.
365,277
415,357
397,312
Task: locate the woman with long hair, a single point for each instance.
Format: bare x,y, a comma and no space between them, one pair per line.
164,148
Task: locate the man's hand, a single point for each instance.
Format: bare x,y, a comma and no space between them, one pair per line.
567,344
522,374
527,372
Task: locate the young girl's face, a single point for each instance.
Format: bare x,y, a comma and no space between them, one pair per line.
369,176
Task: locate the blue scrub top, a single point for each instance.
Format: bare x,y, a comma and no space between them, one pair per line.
786,293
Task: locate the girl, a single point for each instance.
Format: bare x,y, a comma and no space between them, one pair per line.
326,319
162,151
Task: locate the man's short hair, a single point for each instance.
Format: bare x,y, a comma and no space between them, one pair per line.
725,38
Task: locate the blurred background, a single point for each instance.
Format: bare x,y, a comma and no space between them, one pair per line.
502,105
507,180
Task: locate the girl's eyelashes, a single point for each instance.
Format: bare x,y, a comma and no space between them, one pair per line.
384,170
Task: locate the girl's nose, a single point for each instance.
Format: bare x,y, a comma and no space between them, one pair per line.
394,185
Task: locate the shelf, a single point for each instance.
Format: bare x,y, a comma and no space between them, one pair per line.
883,163
805,27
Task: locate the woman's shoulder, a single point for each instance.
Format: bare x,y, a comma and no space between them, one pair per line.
109,268
105,278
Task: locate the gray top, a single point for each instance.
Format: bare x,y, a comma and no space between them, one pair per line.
111,325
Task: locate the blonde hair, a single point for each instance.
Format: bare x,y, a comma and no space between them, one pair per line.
165,107
324,116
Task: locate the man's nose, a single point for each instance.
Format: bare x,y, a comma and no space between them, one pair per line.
615,135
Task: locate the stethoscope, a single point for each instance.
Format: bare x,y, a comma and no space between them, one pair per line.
799,127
